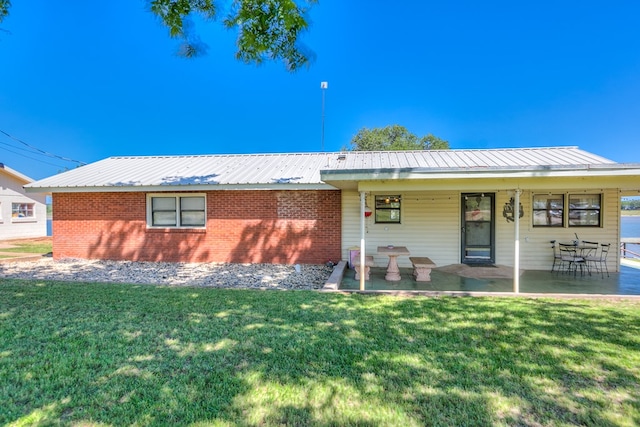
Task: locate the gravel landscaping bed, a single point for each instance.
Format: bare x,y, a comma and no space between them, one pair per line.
258,276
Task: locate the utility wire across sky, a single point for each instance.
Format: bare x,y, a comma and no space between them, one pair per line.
35,150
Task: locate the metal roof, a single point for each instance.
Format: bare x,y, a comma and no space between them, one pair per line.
506,158
198,171
307,170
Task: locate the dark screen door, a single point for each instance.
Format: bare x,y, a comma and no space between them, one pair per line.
478,240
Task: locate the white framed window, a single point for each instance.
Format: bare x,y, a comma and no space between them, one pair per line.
23,210
176,210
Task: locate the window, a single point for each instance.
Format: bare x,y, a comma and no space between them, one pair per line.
584,210
176,211
388,209
22,210
548,210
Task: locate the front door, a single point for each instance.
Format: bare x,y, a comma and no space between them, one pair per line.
478,237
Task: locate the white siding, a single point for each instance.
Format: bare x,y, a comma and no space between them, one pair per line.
431,223
535,247
430,227
11,191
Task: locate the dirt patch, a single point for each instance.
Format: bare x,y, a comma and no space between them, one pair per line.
12,243
8,247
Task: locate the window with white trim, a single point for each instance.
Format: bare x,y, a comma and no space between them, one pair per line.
176,211
23,210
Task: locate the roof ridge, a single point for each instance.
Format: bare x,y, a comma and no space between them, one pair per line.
320,153
448,150
173,156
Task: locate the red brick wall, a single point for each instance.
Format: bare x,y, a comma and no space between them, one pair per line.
280,227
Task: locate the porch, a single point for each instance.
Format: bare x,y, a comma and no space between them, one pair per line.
626,282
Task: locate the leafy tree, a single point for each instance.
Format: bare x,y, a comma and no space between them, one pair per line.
394,137
4,8
631,203
268,30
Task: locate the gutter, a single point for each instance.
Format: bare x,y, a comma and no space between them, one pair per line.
615,169
177,188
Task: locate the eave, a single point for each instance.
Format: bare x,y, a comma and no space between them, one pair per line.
352,179
178,188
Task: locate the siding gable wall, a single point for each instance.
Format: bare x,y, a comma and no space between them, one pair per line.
11,191
431,224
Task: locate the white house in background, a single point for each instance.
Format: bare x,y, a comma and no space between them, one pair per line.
22,215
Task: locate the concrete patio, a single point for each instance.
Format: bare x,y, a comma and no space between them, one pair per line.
626,282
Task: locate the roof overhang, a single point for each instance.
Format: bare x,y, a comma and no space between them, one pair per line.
22,177
359,178
177,188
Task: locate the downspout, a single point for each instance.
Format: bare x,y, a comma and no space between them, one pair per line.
362,254
516,224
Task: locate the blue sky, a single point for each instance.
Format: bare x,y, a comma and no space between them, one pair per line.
87,82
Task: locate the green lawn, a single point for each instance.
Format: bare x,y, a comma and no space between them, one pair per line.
96,354
30,247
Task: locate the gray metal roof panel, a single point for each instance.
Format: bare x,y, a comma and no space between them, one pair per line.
303,168
193,170
469,158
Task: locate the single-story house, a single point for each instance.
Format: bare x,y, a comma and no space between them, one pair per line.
453,206
22,215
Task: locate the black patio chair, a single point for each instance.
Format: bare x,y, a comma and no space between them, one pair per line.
556,256
588,248
570,258
599,261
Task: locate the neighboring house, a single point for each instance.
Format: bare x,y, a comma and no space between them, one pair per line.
313,207
21,215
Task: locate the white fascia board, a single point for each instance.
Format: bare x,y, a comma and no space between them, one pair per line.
479,174
504,182
177,189
16,174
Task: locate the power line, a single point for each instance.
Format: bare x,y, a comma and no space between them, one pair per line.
17,148
28,157
45,153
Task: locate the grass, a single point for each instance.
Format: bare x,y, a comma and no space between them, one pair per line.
31,247
95,354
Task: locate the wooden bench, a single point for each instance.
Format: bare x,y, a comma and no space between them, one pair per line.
422,268
368,263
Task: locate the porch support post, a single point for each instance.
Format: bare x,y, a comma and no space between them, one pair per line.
362,254
516,252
